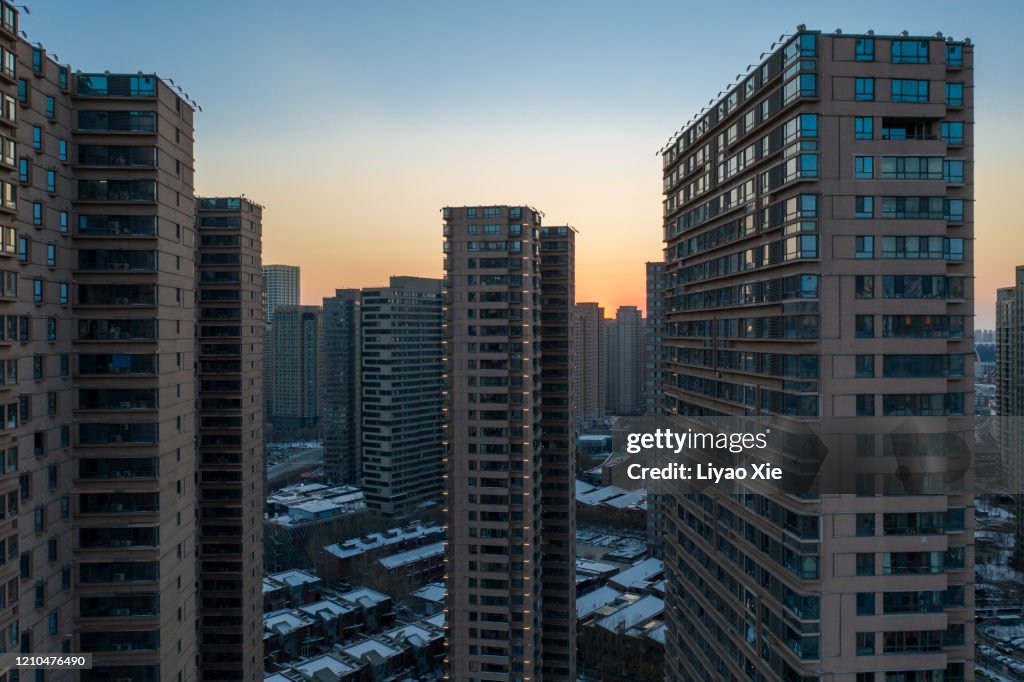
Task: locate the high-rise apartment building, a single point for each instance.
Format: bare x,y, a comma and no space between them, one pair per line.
497,440
624,361
818,227
402,397
97,221
282,285
297,338
230,438
654,332
558,454
1009,337
339,384
589,350
98,445
129,177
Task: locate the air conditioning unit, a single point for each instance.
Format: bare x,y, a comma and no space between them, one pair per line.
115,438
119,577
117,507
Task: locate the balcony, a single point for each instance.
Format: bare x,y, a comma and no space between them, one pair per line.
118,572
107,538
107,85
116,122
142,191
118,503
116,226
91,469
117,294
117,399
219,204
116,364
117,156
117,259
116,330
91,434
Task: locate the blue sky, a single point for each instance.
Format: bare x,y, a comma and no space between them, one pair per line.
355,121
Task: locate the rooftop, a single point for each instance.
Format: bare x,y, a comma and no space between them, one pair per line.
633,614
434,592
412,555
356,546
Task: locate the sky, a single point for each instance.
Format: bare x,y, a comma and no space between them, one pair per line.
354,123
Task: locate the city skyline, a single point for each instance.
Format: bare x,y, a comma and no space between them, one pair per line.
349,128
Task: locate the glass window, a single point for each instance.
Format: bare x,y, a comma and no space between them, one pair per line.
22,90
908,90
51,255
865,285
955,94
865,50
864,207
864,167
865,405
51,181
910,52
37,290
63,150
864,89
866,640
864,127
865,366
953,171
952,132
37,137
865,603
23,170
37,213
954,55
865,326
51,107
865,246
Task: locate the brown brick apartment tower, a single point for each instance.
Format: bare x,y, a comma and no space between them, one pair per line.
819,237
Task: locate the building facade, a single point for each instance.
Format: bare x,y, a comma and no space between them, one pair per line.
340,418
625,361
230,437
589,350
282,284
1009,338
98,450
819,234
654,332
558,453
402,396
495,434
296,337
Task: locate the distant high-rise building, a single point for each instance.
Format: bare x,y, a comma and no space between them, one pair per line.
339,385
509,466
624,361
589,351
282,286
402,396
654,333
296,336
230,436
821,275
1009,338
